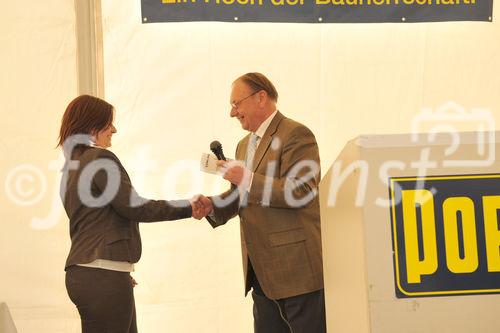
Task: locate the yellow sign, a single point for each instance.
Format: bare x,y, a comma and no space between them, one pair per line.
446,236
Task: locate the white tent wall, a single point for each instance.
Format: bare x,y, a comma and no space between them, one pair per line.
38,66
170,85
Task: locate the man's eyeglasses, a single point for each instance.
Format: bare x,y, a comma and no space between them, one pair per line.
235,104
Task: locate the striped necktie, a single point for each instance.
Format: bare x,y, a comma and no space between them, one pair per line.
252,147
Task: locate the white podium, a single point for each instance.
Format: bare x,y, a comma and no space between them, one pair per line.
408,248
6,322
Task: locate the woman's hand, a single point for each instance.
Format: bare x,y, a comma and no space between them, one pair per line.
201,206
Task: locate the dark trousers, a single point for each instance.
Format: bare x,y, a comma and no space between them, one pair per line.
297,314
104,299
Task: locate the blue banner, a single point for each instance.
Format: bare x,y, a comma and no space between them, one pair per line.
316,11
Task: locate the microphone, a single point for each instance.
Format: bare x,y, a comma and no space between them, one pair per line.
216,148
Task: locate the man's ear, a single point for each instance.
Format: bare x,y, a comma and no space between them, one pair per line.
263,97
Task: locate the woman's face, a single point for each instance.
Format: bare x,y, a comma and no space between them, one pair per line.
103,137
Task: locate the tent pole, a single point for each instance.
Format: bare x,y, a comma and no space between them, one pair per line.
90,62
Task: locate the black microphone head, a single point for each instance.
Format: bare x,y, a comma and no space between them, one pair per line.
216,148
215,145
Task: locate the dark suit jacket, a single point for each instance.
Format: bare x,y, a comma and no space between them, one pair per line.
108,228
283,242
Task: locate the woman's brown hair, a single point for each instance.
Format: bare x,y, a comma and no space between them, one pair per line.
85,115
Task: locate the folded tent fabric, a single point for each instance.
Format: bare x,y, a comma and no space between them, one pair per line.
6,322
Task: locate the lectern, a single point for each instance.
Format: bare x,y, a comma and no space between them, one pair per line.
410,234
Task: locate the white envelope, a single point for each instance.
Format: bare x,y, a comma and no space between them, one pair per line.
208,164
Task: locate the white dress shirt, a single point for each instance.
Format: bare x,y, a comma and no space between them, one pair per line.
260,133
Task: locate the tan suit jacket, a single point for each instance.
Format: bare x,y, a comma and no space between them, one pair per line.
108,231
282,242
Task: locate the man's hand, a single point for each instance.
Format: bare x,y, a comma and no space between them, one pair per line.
235,172
201,206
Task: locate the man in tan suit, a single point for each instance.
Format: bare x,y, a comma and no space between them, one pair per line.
274,192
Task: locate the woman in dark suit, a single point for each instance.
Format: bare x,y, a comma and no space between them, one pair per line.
104,211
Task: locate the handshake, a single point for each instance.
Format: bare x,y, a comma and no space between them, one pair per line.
201,206
232,171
